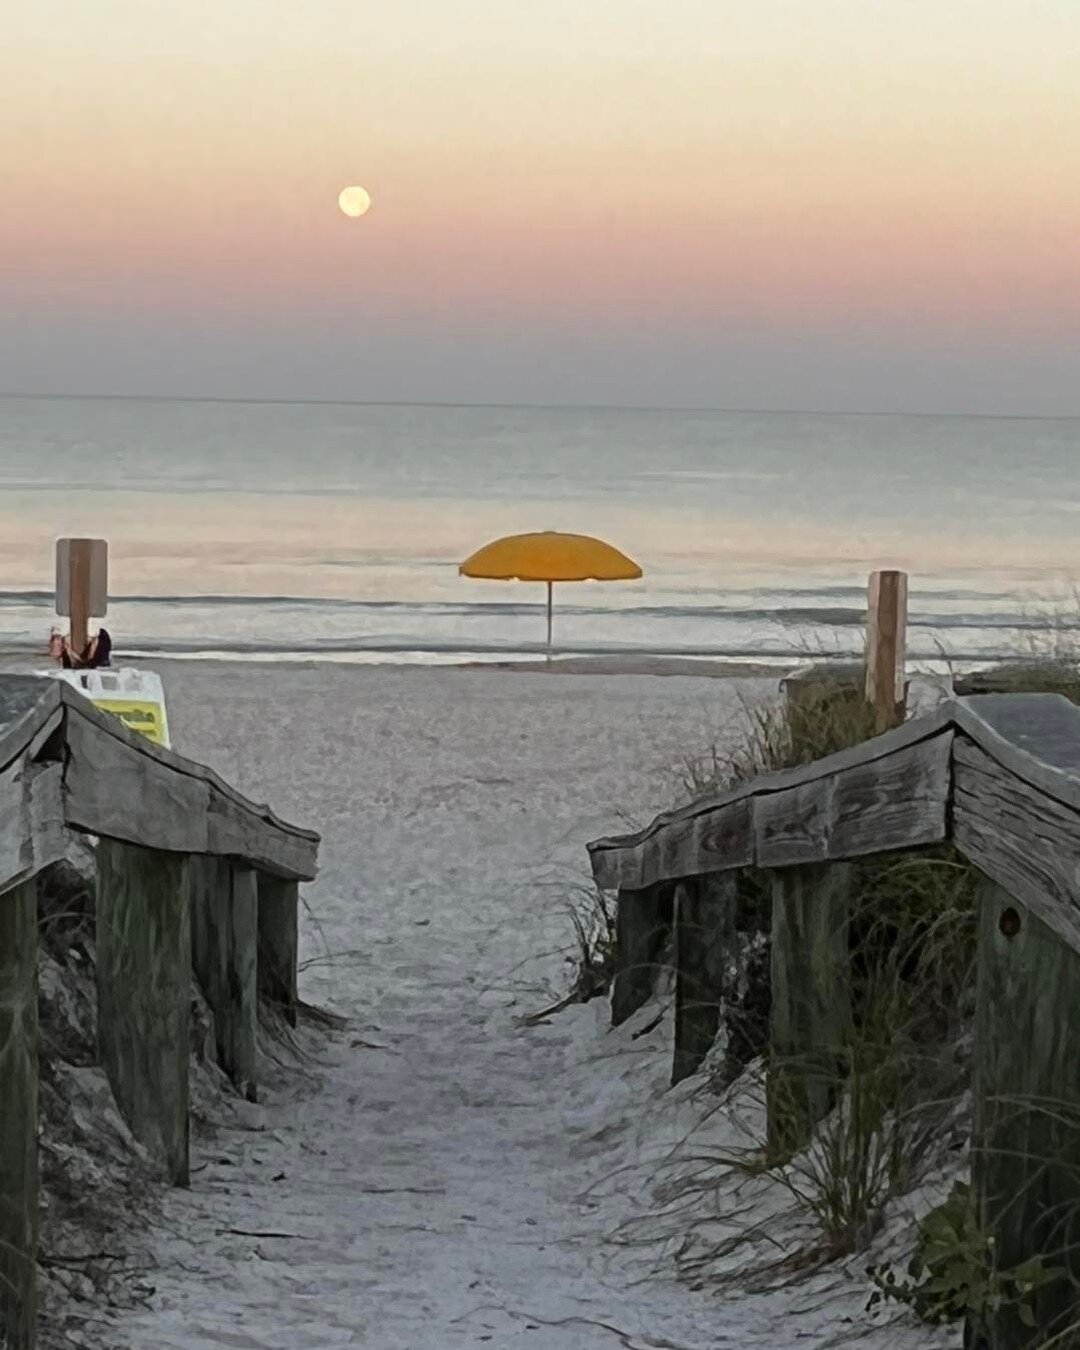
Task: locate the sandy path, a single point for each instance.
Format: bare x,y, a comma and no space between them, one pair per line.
433,1189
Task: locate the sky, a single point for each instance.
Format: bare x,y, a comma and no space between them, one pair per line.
836,204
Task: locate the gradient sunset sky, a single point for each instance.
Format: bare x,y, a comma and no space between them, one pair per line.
837,204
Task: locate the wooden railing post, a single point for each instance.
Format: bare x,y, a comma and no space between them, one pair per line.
811,998
886,641
1026,1135
18,1117
279,904
144,994
224,945
704,923
642,925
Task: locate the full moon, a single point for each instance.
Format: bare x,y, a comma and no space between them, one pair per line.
354,201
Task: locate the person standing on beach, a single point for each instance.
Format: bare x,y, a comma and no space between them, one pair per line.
95,654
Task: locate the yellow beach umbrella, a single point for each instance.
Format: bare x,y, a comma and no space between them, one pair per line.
550,556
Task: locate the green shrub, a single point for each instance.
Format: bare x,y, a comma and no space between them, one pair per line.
952,1275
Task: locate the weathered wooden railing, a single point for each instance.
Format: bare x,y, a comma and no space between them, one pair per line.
191,878
999,775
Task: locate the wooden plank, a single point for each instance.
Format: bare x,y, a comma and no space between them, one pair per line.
16,842
811,999
239,830
26,704
723,840
704,909
279,903
1024,840
144,995
898,801
18,1117
895,803
623,859
31,820
866,752
120,785
224,946
720,841
1026,1137
793,827
112,790
1034,739
642,926
746,994
886,629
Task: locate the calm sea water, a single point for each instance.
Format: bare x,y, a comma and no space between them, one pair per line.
335,529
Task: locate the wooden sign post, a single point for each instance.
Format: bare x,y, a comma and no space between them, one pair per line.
886,647
82,585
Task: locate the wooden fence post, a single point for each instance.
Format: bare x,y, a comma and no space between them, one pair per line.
224,946
144,994
279,903
82,584
811,999
642,924
886,639
1026,1136
18,1117
704,914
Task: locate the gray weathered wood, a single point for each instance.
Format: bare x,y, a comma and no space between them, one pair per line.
627,859
642,926
717,841
18,1117
704,907
121,785
240,830
144,994
1020,837
224,943
279,904
31,819
113,790
1026,1143
1035,737
26,705
890,802
894,803
811,998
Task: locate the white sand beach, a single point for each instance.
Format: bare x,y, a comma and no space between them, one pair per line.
445,1176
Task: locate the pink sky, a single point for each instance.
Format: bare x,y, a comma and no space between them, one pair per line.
684,175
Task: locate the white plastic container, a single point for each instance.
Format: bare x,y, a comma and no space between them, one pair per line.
135,696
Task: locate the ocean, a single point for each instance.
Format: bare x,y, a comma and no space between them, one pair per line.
333,531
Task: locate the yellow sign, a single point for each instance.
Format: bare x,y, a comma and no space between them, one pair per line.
140,715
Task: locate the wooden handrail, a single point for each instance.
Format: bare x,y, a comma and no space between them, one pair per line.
116,783
913,786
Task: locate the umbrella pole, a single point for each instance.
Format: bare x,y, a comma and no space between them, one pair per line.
550,589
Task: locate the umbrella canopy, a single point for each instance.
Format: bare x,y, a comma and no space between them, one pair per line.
550,556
